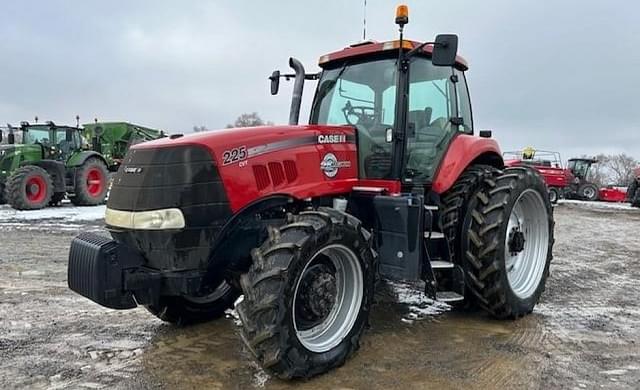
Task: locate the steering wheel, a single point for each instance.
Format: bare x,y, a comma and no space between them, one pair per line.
360,112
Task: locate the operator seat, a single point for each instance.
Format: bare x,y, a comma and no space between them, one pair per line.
421,150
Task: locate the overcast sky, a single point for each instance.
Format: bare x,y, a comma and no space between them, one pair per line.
560,75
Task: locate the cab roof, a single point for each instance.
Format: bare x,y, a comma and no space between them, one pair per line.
371,47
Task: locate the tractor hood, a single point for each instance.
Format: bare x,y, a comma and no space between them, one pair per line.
12,155
252,163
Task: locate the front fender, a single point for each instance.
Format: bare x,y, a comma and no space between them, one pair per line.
464,151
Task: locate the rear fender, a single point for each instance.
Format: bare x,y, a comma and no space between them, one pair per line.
79,159
55,169
465,150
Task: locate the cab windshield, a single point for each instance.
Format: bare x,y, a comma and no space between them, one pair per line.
580,168
364,95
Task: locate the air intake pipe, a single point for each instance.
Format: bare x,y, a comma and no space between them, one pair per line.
298,86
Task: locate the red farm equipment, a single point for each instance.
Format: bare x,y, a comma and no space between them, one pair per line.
548,164
388,180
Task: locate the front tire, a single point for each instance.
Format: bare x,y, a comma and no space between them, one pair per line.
308,294
29,188
509,242
91,183
192,310
554,195
588,191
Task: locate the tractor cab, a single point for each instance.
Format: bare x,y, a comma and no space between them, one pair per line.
407,101
580,167
55,142
367,90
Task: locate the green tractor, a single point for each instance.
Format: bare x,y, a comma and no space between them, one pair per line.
40,164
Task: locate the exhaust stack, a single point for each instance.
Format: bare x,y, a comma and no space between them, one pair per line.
298,86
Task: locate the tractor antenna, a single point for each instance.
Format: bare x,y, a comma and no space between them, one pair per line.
77,121
364,22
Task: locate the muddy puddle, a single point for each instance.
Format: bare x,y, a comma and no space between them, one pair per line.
448,350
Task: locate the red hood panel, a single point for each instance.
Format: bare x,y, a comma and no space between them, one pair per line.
299,161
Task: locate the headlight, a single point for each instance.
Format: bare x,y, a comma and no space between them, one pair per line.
146,220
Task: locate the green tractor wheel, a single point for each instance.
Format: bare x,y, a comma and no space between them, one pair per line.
29,188
91,183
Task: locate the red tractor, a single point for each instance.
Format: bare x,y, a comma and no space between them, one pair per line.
633,192
387,180
548,164
579,185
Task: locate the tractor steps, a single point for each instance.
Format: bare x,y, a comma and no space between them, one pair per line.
439,264
434,235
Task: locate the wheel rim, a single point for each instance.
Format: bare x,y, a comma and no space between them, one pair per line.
36,189
553,196
526,243
327,298
218,293
95,182
589,192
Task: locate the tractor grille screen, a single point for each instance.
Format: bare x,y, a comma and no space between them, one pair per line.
183,177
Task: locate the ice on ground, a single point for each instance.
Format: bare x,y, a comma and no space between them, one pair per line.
64,213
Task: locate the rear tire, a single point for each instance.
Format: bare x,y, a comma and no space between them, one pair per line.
554,195
635,202
29,188
509,242
455,203
308,294
91,183
191,310
633,193
588,191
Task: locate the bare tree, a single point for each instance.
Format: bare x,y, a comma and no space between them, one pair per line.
612,169
621,168
249,120
198,129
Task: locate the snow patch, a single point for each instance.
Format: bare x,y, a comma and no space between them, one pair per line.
599,205
65,213
419,304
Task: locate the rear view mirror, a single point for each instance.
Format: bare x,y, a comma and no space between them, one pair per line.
445,50
275,82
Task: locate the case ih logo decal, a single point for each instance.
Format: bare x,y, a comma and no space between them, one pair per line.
330,165
332,138
132,169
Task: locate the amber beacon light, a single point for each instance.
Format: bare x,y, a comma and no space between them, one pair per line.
402,15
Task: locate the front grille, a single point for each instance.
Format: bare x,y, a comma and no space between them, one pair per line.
184,177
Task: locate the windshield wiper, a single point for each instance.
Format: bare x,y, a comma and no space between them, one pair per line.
328,85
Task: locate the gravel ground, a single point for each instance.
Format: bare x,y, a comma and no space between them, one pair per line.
584,334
